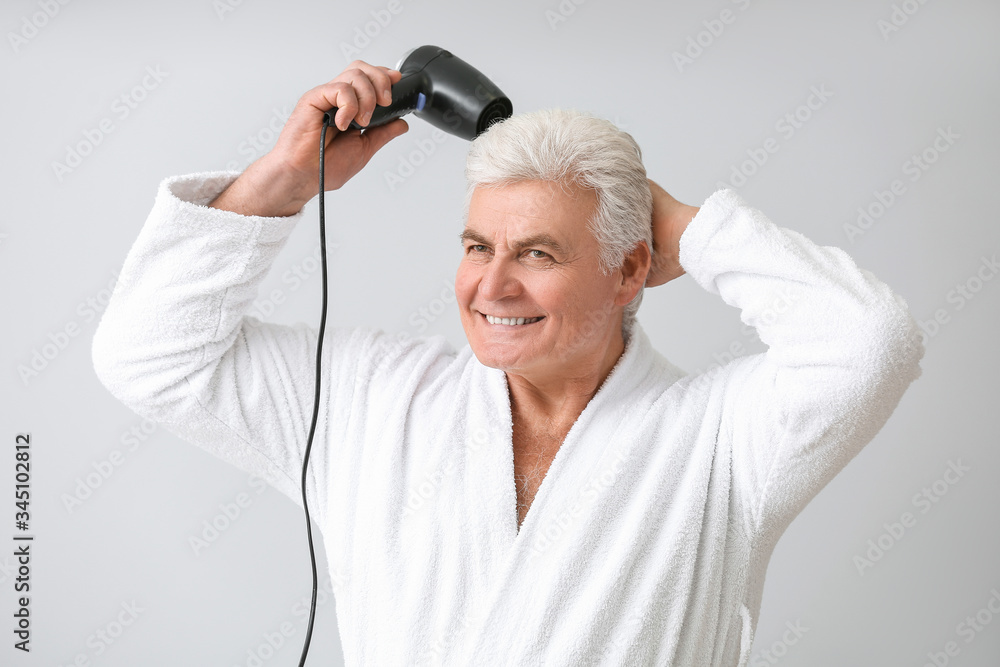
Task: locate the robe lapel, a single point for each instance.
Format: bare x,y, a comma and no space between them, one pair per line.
490,481
504,561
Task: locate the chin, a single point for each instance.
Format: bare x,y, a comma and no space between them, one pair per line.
505,349
493,355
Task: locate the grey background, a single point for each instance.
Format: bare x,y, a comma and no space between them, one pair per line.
227,75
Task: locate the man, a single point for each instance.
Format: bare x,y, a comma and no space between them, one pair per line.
556,492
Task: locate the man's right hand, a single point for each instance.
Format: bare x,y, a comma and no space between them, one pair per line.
670,219
281,182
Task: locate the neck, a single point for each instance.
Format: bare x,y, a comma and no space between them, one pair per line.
558,398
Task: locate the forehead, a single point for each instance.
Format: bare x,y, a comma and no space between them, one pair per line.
530,209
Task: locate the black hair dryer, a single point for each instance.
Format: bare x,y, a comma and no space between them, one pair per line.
445,91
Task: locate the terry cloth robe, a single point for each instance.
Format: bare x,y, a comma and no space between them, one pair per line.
648,540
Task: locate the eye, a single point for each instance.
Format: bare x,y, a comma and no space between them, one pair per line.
473,248
541,255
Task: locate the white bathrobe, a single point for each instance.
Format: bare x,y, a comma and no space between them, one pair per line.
648,540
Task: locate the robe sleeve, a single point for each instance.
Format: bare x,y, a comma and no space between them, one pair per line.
176,345
842,349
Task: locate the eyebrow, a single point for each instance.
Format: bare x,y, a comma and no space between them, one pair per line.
534,240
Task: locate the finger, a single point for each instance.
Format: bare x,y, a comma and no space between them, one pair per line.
345,100
332,95
379,136
378,78
364,91
383,80
340,94
324,97
384,84
394,76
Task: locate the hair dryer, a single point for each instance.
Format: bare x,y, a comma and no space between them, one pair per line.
445,91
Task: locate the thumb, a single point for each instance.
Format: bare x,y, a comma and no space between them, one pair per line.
383,134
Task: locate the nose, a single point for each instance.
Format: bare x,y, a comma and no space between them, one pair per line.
498,280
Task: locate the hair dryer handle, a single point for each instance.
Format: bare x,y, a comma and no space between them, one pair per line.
406,97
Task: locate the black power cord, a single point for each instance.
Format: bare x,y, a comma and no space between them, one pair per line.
319,367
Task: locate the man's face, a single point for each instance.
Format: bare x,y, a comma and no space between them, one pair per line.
527,253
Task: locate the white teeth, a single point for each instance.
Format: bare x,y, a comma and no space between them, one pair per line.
511,320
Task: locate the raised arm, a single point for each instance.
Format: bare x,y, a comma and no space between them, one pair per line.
176,344
842,349
281,182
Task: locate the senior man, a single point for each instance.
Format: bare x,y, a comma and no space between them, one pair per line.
556,492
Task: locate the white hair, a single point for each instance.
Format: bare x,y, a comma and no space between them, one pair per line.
573,147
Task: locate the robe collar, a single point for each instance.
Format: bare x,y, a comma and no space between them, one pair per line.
586,445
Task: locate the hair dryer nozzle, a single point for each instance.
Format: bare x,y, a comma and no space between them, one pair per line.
445,91
497,110
460,99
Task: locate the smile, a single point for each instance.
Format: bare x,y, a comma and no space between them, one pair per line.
511,321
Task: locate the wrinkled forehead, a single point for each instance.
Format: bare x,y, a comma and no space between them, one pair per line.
532,209
550,188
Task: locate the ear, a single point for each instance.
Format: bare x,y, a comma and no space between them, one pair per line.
634,270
